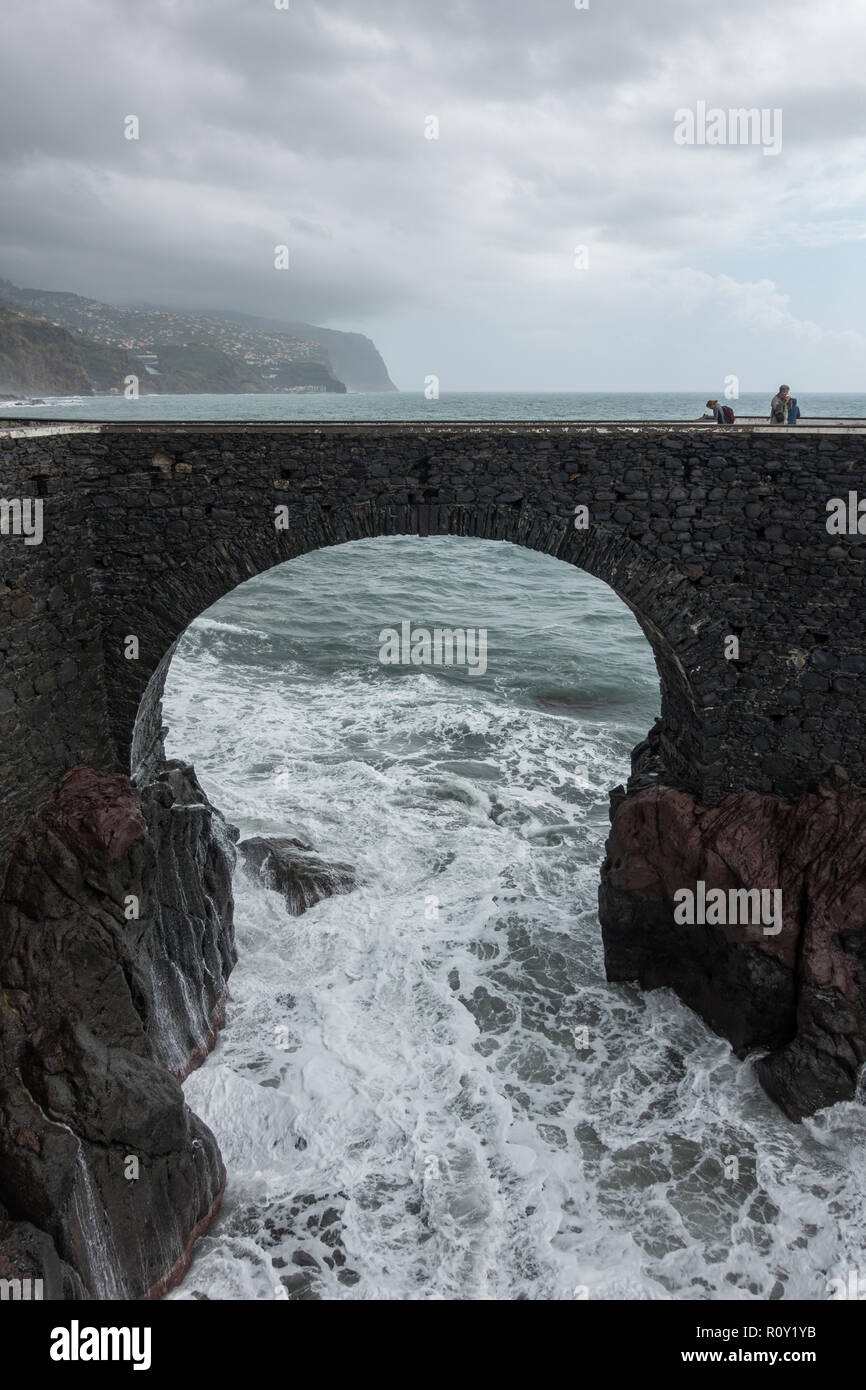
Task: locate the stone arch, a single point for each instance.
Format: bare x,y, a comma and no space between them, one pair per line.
679,620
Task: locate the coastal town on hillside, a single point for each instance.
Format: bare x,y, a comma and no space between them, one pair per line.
143,330
95,346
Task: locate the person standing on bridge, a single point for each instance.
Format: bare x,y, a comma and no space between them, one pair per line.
722,414
779,406
793,410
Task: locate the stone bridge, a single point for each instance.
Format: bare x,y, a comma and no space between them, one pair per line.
706,535
718,541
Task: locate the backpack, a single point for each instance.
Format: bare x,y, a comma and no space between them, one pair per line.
729,415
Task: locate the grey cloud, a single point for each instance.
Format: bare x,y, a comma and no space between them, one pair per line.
260,126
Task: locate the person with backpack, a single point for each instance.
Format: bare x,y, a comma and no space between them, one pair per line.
793,410
779,406
722,414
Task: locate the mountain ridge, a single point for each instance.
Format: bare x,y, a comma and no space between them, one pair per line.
38,356
338,343
270,354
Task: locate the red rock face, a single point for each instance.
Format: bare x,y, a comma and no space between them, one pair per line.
179,1270
199,1055
96,810
100,1012
814,851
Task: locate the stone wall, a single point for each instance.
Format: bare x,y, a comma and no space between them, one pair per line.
704,532
53,711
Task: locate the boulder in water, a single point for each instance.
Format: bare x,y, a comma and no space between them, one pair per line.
796,991
296,871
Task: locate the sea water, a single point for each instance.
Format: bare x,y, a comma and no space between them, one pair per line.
426,1088
393,406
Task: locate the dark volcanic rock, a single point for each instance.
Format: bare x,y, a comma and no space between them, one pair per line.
116,942
187,946
28,1255
801,993
293,869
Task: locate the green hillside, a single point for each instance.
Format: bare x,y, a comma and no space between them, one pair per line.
107,367
41,358
37,358
199,368
194,352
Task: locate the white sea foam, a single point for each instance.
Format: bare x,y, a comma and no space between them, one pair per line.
44,402
398,1094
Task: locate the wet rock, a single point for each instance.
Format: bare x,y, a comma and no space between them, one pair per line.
187,946
29,1259
800,993
305,1260
116,943
300,1288
296,871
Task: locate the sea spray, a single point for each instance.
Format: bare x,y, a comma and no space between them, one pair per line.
459,1105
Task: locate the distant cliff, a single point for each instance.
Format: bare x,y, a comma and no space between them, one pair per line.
196,368
268,355
355,359
38,357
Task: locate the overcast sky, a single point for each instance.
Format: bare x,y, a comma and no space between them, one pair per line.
306,126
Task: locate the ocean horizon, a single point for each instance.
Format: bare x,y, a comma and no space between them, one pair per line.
388,406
